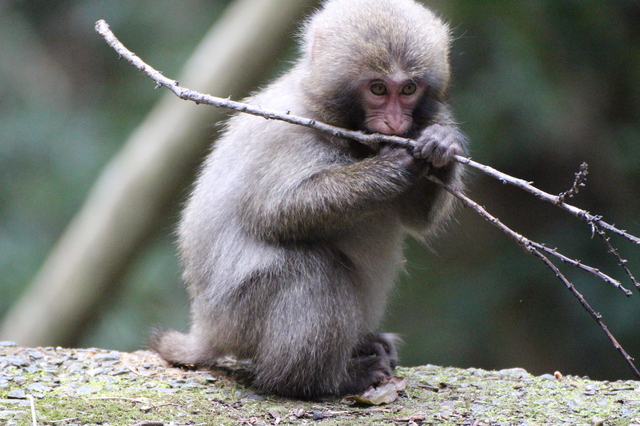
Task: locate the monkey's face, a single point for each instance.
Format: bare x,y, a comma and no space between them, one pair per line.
389,102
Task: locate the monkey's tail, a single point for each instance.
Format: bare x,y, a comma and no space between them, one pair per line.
176,348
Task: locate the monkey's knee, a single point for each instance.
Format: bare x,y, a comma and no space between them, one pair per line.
302,373
318,371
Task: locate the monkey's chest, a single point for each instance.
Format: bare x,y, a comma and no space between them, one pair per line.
377,257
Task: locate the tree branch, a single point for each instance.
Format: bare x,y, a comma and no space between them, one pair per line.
528,245
369,139
536,249
595,222
553,199
199,98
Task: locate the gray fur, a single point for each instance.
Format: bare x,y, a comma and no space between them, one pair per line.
292,240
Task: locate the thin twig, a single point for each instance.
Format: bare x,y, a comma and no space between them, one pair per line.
596,316
553,199
199,98
579,182
33,410
122,398
596,222
535,249
580,179
614,252
526,243
578,264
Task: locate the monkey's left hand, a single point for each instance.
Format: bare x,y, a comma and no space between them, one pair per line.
438,144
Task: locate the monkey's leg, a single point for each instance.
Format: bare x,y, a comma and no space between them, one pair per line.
310,335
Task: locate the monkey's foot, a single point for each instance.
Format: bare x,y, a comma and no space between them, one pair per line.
373,360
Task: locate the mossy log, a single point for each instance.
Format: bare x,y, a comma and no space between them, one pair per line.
98,387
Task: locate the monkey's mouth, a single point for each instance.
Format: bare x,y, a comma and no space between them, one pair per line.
410,133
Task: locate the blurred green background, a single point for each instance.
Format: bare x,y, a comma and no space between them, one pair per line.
539,87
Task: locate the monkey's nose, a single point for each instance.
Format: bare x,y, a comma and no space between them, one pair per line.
395,125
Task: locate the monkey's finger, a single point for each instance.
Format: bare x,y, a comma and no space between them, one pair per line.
444,153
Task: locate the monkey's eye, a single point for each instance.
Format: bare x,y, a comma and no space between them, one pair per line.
409,89
378,89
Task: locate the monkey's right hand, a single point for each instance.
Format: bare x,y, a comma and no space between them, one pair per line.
438,144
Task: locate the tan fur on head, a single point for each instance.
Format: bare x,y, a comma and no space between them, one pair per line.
384,36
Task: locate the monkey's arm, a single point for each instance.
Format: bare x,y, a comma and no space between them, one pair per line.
299,206
426,205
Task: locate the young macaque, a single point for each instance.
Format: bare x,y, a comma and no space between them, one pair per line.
292,239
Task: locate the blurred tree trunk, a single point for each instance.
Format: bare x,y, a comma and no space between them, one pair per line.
133,190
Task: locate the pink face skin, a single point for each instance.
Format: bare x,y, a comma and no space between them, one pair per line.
389,104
